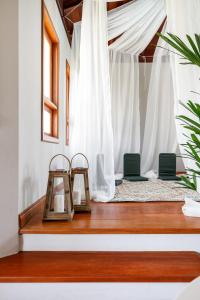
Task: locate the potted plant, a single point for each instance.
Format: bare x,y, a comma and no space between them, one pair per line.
191,55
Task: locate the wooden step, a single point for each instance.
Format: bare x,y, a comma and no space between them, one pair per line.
119,218
100,267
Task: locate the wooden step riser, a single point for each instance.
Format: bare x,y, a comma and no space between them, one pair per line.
110,242
95,291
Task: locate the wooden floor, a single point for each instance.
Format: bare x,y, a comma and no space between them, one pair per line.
100,267
121,218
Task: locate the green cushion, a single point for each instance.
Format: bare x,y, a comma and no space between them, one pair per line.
135,178
167,165
169,177
131,164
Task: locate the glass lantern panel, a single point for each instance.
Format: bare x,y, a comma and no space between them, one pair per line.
78,190
59,195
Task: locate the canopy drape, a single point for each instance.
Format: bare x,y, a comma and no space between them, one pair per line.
91,132
141,28
129,17
160,131
104,92
137,22
124,75
143,19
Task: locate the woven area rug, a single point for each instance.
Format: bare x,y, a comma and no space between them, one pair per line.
152,190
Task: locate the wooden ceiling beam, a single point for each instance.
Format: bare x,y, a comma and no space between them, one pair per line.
60,4
70,3
74,13
71,12
113,5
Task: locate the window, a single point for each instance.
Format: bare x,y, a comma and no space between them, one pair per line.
50,82
67,100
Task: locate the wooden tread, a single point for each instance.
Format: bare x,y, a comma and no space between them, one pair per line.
100,267
120,218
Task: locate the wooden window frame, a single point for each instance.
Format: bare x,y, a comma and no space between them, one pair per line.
67,101
50,104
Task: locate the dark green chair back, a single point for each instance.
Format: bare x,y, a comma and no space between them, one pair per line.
167,164
131,164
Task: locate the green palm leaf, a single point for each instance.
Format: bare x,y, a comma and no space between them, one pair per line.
197,38
189,120
191,55
194,47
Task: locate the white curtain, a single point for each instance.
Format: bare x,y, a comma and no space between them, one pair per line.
97,115
183,18
160,130
130,15
143,19
74,76
124,73
91,131
142,29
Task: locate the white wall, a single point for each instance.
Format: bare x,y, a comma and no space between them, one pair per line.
8,126
34,155
24,158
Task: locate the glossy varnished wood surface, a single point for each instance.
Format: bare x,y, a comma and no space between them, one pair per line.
100,267
31,211
120,218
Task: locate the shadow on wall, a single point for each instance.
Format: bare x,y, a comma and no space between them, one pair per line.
29,188
8,248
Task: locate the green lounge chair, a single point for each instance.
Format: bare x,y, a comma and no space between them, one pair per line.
167,166
132,167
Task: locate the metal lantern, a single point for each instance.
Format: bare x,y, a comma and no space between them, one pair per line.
83,203
59,203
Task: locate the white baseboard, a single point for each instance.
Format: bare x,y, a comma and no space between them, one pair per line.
110,242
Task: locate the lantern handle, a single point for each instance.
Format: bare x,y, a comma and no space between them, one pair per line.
81,154
62,156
